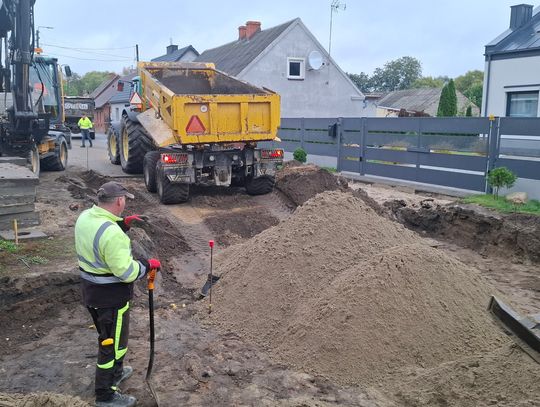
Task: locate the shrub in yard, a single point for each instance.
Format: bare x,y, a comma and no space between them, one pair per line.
300,155
501,177
468,112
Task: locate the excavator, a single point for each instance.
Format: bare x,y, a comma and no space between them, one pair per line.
31,108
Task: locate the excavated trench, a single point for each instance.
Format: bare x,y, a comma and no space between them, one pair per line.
47,332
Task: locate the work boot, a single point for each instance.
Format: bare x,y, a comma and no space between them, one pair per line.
83,146
118,400
127,371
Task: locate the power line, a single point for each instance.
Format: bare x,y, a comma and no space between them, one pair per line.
93,59
90,49
87,52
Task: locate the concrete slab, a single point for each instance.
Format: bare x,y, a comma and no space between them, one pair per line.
23,235
15,209
16,199
13,160
12,175
26,219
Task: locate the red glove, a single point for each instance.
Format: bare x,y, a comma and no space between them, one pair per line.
154,264
128,220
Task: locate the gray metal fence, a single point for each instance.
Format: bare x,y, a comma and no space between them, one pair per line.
453,152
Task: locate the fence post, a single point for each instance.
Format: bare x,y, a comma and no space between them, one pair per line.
493,147
339,129
363,131
302,132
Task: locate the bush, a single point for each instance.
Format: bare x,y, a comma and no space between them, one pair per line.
501,177
300,155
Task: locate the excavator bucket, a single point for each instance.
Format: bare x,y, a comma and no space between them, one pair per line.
525,331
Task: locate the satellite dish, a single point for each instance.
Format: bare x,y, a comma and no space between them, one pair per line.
315,60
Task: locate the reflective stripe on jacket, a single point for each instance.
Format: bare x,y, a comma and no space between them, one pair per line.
85,123
104,250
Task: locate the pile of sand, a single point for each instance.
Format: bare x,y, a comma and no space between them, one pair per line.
40,400
302,182
340,291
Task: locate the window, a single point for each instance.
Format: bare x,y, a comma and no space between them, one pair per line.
522,104
117,113
295,68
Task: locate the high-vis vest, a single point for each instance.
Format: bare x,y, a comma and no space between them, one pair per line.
105,260
85,123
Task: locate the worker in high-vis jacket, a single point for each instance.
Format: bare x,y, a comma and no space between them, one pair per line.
108,270
85,124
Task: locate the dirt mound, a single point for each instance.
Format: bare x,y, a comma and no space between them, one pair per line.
475,381
335,290
40,400
300,183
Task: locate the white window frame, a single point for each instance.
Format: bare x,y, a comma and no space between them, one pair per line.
302,62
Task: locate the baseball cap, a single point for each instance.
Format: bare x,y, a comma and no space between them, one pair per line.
113,189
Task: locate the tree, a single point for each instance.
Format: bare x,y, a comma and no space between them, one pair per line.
81,86
427,82
471,85
448,101
501,177
468,112
362,81
398,74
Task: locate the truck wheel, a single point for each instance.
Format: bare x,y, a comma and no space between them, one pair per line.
112,146
169,192
134,144
149,169
260,186
32,160
57,162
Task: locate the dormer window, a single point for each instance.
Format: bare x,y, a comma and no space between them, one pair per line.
296,68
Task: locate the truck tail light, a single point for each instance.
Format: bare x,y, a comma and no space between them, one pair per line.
276,154
174,158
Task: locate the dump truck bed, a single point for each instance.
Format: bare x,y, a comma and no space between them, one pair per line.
197,104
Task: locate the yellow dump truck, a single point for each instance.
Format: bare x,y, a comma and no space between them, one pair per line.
189,123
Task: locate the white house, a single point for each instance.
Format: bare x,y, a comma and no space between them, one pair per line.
173,54
512,70
289,60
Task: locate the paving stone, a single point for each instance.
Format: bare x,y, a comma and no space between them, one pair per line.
15,209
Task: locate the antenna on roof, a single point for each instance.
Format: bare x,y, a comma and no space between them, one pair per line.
170,41
334,8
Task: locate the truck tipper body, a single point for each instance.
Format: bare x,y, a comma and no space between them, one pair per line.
191,124
74,108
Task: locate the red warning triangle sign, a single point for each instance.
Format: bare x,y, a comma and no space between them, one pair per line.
195,125
135,99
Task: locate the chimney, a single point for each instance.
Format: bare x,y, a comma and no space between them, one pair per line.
252,27
242,32
171,48
521,15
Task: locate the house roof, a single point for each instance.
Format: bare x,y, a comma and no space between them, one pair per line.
102,86
124,95
422,100
233,57
522,39
175,55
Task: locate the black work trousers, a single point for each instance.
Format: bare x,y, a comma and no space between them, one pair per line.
112,325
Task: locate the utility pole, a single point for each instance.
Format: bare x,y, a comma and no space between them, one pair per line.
334,7
137,52
37,33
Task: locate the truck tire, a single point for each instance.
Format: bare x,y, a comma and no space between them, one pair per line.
260,186
113,147
169,192
134,144
58,161
150,171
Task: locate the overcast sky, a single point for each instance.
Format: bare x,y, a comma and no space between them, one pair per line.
447,36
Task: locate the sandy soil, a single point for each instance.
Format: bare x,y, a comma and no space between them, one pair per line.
49,342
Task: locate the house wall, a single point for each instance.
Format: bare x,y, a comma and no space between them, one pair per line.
188,56
116,111
509,75
101,118
326,92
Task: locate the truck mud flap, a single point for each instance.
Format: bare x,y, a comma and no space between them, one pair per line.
525,331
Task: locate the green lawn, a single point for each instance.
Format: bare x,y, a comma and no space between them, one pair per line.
502,205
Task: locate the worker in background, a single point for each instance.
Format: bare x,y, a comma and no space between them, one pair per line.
108,270
85,124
